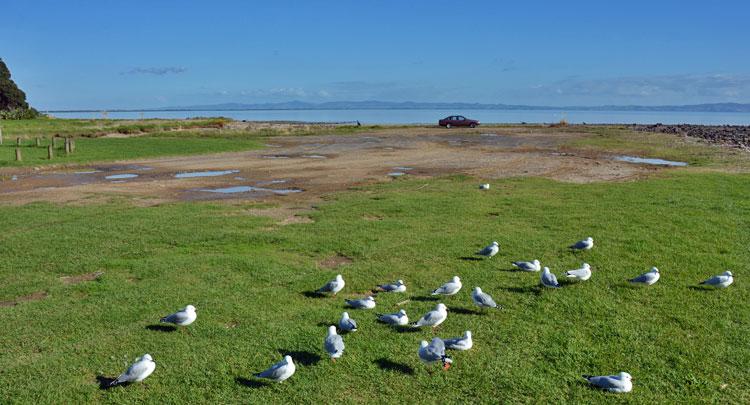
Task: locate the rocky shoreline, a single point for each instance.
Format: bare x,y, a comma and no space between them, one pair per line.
735,136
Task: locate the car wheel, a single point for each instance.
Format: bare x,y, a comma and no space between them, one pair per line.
447,125
473,125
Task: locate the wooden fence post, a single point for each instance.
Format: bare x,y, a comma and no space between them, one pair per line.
50,152
38,141
18,155
67,146
53,141
1,135
72,145
18,141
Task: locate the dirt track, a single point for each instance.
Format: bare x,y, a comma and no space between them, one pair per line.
323,164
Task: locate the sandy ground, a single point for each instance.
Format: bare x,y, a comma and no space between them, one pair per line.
312,166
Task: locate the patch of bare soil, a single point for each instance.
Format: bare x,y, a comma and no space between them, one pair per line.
39,295
335,261
81,277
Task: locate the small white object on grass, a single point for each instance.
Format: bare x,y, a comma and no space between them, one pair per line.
648,278
449,288
347,324
434,351
482,299
528,266
723,280
399,318
460,343
363,303
333,286
138,371
585,244
183,317
548,279
334,344
583,273
620,383
484,186
434,317
279,371
490,250
397,287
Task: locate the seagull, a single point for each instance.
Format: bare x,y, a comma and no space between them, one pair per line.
622,382
489,250
397,287
279,371
723,280
399,318
334,344
528,266
482,299
435,351
449,288
648,278
585,244
363,303
434,317
460,343
138,371
183,317
583,274
484,186
347,324
333,286
548,279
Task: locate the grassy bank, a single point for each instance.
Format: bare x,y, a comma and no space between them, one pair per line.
248,279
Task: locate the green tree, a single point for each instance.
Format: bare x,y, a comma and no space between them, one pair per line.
11,97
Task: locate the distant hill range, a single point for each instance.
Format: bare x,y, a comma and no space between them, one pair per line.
457,107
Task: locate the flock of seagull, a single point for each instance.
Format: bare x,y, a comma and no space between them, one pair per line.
429,352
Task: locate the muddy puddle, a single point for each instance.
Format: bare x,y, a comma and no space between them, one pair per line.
649,161
250,189
122,176
207,173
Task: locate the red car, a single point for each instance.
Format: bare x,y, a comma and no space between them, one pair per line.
457,121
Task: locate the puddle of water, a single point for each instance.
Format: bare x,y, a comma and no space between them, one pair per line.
240,178
314,157
275,157
403,168
121,176
264,183
649,161
247,189
89,172
396,174
208,173
14,178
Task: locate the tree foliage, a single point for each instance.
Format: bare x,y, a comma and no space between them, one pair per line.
12,99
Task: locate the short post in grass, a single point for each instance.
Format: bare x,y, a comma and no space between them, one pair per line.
1,135
72,145
50,152
18,155
67,146
53,141
18,141
38,142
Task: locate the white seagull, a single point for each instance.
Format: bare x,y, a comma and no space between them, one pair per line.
622,382
723,280
449,288
482,299
138,371
334,344
399,318
183,317
434,317
484,186
583,273
279,371
347,324
489,250
460,343
363,303
648,278
434,351
397,287
548,279
528,266
585,244
333,286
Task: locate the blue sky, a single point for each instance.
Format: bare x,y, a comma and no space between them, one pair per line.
117,54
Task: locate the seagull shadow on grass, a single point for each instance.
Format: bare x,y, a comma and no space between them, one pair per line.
471,258
389,365
313,294
466,311
250,383
427,298
406,329
302,357
105,382
161,328
700,288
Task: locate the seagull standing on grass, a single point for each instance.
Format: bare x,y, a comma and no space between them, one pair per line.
334,344
333,286
482,299
434,317
583,273
647,278
138,371
397,287
363,303
528,266
484,186
489,250
622,382
434,351
183,317
399,318
460,343
347,324
279,371
723,280
585,244
548,279
449,288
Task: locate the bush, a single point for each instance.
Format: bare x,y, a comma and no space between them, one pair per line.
19,114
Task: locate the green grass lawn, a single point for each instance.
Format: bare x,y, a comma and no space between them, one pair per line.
248,280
